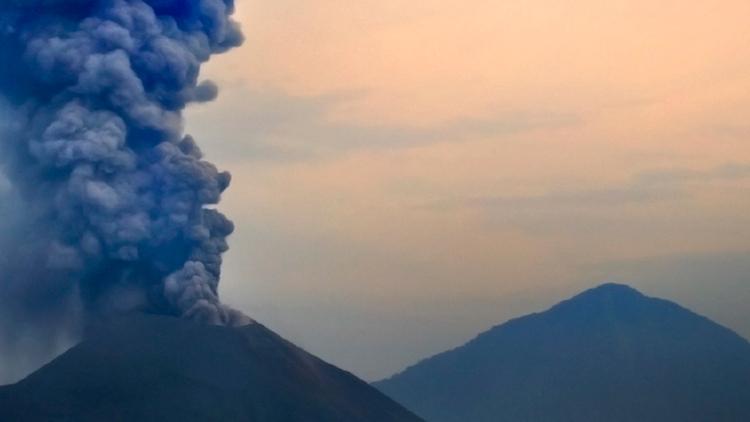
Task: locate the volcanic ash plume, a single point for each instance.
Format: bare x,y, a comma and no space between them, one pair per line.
112,208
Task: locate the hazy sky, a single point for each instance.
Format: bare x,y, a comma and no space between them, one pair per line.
408,174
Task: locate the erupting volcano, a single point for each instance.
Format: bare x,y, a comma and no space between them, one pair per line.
117,198
112,201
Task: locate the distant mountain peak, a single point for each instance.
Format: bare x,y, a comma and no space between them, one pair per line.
610,289
607,292
609,353
612,299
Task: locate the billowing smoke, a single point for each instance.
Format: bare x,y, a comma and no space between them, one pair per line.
110,204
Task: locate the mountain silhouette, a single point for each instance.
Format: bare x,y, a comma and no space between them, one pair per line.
154,368
609,354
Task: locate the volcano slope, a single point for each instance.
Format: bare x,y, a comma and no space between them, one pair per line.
156,368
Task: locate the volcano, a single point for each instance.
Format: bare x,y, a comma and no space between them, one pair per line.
156,368
609,354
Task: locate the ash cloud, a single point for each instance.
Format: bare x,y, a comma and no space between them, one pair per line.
110,207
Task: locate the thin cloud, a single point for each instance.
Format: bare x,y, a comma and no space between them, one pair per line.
280,127
644,188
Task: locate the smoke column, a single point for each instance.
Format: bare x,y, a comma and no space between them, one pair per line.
111,203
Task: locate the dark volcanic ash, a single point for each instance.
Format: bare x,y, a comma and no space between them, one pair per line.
113,206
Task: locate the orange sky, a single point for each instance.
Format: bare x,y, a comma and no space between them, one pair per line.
407,174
